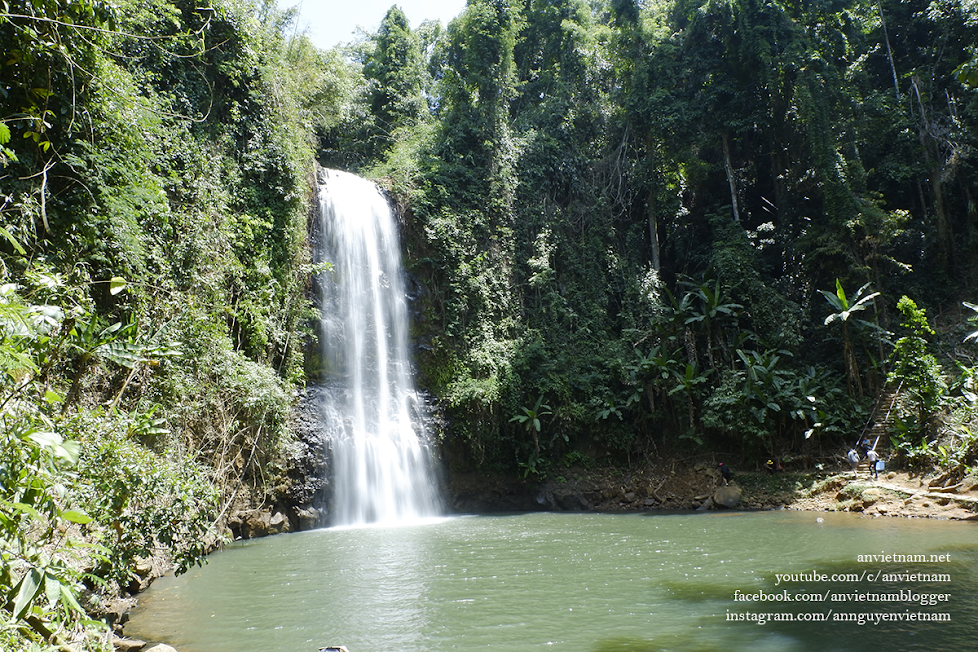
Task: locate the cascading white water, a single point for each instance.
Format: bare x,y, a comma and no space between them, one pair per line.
382,469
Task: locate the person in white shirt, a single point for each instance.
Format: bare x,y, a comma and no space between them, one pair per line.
873,458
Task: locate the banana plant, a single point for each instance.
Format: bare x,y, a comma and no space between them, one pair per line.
681,314
123,344
845,308
530,419
687,382
650,372
713,304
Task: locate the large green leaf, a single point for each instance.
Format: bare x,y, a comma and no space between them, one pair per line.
29,587
46,439
76,517
974,335
117,284
52,588
7,235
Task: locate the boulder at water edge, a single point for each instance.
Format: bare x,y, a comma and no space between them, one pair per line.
728,495
127,644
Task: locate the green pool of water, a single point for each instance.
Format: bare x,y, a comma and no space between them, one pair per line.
582,582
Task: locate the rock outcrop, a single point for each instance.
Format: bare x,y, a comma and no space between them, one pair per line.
728,495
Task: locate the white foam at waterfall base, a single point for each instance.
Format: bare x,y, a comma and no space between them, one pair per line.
382,469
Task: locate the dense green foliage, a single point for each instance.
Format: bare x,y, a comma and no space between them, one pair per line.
636,227
646,216
154,191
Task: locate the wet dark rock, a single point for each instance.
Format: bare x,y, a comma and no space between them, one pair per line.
706,505
308,456
472,494
299,499
572,501
310,518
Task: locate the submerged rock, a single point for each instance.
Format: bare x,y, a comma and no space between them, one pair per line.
707,505
572,501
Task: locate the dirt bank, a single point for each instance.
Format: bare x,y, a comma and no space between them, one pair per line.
688,484
892,494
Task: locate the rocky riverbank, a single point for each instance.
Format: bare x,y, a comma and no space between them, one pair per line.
692,484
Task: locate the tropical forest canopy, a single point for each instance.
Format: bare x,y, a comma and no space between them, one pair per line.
631,229
641,223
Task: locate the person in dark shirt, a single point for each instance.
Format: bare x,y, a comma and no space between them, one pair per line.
725,472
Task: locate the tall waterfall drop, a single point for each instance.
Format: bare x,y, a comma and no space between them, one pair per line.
382,470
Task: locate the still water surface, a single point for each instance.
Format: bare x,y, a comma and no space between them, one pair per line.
581,582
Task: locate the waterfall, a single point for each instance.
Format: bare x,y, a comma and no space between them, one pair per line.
382,470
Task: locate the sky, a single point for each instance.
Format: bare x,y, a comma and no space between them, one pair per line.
331,22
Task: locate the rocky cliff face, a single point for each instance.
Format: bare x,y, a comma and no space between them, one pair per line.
308,462
301,494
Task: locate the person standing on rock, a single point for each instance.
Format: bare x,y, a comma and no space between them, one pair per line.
873,458
725,472
853,458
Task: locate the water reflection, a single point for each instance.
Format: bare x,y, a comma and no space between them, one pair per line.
378,576
590,582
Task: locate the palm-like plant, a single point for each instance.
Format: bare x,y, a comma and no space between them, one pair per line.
844,310
531,420
687,382
713,304
650,372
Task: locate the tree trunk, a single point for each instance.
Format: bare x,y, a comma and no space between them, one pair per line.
730,176
75,388
935,165
852,367
889,51
654,238
709,344
972,212
690,341
943,233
